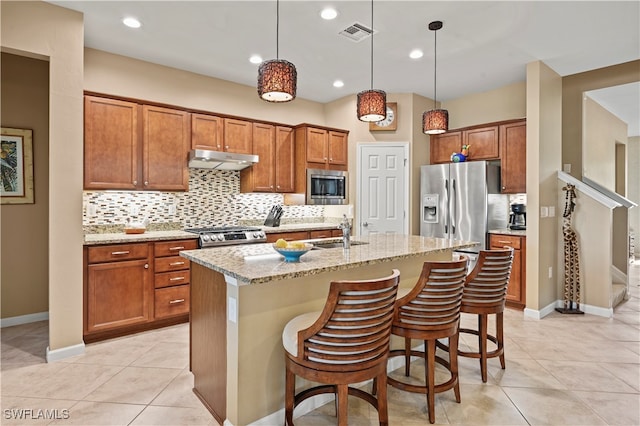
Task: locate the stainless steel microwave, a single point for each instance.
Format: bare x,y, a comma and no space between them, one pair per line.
327,187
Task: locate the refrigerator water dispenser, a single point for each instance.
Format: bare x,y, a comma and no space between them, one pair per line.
430,208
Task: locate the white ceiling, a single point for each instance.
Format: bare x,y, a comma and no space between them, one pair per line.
482,46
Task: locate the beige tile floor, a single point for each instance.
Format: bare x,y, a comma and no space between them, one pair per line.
562,370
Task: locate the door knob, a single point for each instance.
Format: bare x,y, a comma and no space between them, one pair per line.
365,224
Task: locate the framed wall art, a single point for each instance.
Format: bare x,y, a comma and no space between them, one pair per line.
16,166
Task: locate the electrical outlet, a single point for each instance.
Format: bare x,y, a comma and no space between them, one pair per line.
566,168
172,209
550,271
92,210
232,310
552,211
544,212
134,210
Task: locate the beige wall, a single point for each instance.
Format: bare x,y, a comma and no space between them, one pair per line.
573,87
601,132
544,148
504,103
122,76
25,228
46,31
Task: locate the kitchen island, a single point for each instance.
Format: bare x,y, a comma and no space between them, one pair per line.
242,297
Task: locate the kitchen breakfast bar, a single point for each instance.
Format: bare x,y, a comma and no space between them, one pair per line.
243,296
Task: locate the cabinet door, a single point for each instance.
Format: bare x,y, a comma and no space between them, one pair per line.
317,145
111,144
171,301
206,132
338,147
442,146
513,144
483,143
263,174
166,135
238,136
284,159
514,289
118,294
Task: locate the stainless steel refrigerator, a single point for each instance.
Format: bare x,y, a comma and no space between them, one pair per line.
462,201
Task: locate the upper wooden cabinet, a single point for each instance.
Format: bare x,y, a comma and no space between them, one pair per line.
274,145
443,145
207,132
323,148
166,141
513,146
505,141
238,136
132,146
483,143
111,144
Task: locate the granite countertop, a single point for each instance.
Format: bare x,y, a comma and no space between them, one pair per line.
507,231
121,237
299,227
259,263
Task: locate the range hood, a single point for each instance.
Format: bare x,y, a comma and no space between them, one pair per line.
205,159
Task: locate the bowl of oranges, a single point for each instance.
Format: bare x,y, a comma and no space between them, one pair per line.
291,250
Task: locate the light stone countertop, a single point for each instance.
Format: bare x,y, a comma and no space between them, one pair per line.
260,263
121,237
507,231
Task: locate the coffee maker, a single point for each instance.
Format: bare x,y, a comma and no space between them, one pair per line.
518,217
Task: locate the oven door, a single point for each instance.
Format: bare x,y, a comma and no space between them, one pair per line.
327,187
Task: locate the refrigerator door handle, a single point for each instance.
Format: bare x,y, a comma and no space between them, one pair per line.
446,216
455,207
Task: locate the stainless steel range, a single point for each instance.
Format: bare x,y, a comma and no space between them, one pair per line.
228,235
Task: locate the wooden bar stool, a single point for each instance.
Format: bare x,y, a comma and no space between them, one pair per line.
485,293
346,343
431,311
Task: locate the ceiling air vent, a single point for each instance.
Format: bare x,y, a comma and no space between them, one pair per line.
356,32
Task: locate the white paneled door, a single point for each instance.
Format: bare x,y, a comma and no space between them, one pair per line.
383,188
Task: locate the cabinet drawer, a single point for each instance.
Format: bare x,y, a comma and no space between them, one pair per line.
172,248
171,263
324,233
116,252
171,301
501,240
167,279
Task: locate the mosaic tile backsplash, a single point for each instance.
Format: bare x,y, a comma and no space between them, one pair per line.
213,199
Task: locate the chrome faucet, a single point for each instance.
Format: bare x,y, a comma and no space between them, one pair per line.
346,232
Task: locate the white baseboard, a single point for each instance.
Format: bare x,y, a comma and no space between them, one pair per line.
24,319
618,276
66,352
532,313
587,309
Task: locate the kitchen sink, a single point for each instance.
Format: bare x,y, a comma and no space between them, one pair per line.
334,244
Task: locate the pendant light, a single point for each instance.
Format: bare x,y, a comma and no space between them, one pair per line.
435,121
372,104
277,78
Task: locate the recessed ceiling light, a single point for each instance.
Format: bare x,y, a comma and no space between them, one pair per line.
328,13
416,53
255,59
131,22
338,83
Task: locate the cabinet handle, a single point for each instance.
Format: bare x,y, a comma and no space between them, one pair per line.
504,242
504,187
173,302
176,248
146,266
146,182
135,182
119,253
176,263
176,279
226,147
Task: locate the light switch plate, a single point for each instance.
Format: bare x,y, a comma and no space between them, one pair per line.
566,168
544,211
552,211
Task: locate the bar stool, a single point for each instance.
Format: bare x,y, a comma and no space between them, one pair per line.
485,293
431,311
346,343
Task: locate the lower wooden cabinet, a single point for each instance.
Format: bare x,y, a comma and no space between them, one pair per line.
133,287
516,291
